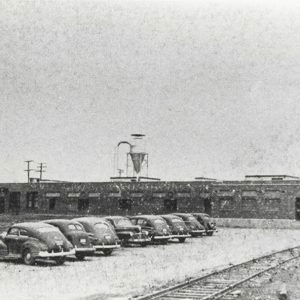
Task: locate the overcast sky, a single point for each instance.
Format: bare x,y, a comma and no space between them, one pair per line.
215,86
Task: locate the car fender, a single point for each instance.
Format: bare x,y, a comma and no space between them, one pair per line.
35,246
3,249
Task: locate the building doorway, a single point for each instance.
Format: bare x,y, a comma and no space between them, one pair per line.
170,205
297,209
14,202
2,205
207,206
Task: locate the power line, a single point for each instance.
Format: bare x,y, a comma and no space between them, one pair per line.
41,169
28,170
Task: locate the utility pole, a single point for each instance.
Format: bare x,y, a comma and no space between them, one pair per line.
41,169
28,169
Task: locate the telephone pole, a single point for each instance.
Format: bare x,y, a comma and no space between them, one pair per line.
28,169
41,169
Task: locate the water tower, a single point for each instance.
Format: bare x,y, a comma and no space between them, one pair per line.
137,160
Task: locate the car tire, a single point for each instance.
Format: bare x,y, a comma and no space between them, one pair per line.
28,257
210,233
181,240
144,244
80,256
60,261
107,252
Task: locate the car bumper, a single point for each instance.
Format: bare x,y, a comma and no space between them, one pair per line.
197,232
102,247
138,240
45,254
178,236
161,237
85,250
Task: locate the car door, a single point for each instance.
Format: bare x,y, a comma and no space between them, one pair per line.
11,240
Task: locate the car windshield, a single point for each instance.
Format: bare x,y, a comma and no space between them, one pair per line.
123,223
177,221
75,227
159,222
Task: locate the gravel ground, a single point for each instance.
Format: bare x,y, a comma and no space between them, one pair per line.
135,271
286,278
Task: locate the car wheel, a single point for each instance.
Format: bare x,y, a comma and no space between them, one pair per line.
181,240
144,244
107,252
210,233
80,256
28,257
60,261
164,242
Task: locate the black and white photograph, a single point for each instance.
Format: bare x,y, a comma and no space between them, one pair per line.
150,149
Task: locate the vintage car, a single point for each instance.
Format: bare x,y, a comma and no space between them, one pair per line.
101,233
208,223
31,241
177,226
195,228
157,228
76,234
127,232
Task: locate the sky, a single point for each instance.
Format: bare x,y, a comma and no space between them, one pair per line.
214,85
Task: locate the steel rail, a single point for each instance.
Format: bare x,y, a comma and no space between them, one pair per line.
225,290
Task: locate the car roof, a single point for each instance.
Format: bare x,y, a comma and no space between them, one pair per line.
182,214
201,214
115,217
60,221
152,217
31,225
169,216
90,219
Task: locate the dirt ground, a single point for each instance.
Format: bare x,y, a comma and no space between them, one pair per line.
135,271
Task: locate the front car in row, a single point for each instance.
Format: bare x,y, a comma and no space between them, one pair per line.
101,233
156,227
31,241
127,232
206,221
76,235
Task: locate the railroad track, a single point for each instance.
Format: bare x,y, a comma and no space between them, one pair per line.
218,285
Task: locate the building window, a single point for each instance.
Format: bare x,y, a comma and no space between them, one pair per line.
249,203
125,204
83,204
226,203
32,200
52,203
273,204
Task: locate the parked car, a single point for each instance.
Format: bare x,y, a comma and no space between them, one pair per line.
177,226
76,234
127,232
157,228
195,228
208,223
101,233
31,241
